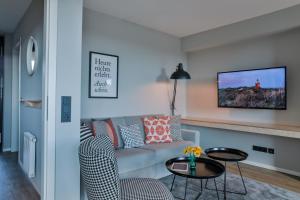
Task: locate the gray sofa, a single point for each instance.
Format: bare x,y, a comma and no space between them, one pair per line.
147,161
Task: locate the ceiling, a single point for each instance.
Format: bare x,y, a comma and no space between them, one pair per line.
11,12
186,17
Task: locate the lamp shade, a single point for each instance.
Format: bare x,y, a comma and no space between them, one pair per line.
180,73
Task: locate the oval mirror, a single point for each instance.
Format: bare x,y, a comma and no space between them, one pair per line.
32,56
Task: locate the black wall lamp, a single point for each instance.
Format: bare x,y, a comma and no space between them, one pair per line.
178,74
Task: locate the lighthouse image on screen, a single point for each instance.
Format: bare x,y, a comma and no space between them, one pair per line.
261,88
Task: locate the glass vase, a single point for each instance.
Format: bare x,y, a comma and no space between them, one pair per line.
192,161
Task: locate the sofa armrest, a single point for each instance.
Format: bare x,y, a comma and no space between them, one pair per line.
191,135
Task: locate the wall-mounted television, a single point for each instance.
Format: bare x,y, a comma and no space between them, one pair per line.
263,88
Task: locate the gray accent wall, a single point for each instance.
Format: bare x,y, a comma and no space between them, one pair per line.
146,60
68,83
31,86
286,149
274,50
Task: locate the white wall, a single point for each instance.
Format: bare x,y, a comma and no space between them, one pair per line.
277,50
68,83
143,54
31,86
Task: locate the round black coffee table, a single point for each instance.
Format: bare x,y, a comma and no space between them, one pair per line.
205,169
228,155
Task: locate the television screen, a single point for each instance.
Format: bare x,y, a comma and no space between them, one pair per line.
258,88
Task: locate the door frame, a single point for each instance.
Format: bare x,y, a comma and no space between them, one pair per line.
2,50
16,92
49,99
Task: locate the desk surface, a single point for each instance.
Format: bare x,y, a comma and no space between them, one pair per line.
266,129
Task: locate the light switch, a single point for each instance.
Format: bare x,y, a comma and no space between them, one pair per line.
65,109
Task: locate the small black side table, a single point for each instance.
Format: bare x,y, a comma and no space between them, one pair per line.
228,155
205,169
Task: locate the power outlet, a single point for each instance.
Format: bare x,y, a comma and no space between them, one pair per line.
66,109
260,149
271,151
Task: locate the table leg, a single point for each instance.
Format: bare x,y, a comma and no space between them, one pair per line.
186,182
237,163
225,182
216,188
200,193
206,184
201,186
173,182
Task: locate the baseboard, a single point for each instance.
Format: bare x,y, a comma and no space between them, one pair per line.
286,171
21,165
6,150
29,179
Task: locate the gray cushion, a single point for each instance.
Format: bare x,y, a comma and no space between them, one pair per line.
87,122
136,120
175,128
131,136
165,151
139,121
133,159
116,121
110,127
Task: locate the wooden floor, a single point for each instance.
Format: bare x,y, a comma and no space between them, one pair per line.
279,179
13,183
15,186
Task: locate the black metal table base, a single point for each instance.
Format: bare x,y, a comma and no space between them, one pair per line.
201,191
225,184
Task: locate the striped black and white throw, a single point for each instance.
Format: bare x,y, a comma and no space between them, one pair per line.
85,133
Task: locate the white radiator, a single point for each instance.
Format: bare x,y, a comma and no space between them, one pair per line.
29,154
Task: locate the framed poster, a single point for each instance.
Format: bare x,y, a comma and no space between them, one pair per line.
103,75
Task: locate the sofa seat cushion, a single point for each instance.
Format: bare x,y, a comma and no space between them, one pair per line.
166,151
134,158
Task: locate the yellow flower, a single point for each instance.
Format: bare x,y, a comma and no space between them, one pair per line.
185,151
196,150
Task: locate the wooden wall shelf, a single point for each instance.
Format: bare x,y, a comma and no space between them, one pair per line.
266,129
32,103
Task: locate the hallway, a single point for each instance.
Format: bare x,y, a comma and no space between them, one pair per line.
13,183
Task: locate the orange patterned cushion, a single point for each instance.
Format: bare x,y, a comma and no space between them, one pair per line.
157,129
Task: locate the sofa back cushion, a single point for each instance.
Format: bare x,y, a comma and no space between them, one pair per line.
175,128
85,132
105,127
157,129
137,120
110,127
131,135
